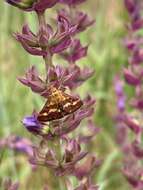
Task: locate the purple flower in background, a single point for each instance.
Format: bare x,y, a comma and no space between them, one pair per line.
33,5
130,5
132,123
131,78
121,128
137,149
72,2
9,185
131,120
133,173
17,144
137,56
137,103
120,94
134,45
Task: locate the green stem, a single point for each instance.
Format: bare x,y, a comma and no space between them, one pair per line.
56,146
43,31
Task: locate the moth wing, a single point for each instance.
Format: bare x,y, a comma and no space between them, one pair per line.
50,112
70,104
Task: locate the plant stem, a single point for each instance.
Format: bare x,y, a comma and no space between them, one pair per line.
48,63
57,147
43,32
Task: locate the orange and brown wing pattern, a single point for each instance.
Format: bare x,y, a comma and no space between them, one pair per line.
70,104
49,113
58,105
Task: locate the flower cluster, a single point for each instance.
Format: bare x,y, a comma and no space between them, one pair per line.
132,122
63,111
18,144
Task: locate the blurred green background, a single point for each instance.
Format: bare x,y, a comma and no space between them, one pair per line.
106,55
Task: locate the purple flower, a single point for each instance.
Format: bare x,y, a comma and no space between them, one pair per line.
21,145
137,149
18,144
70,77
92,132
138,24
33,5
80,19
33,80
120,94
75,53
55,41
61,39
83,21
132,123
71,157
137,103
134,45
48,158
86,168
134,9
137,56
131,78
133,173
29,41
132,149
34,126
131,43
130,5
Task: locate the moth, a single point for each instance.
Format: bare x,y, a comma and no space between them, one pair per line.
58,105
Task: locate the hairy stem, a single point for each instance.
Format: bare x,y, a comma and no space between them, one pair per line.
43,33
61,179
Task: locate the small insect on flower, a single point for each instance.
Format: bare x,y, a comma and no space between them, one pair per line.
58,105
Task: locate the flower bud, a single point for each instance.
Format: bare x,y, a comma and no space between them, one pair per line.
33,5
22,4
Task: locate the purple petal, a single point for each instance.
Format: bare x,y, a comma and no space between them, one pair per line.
61,46
131,78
